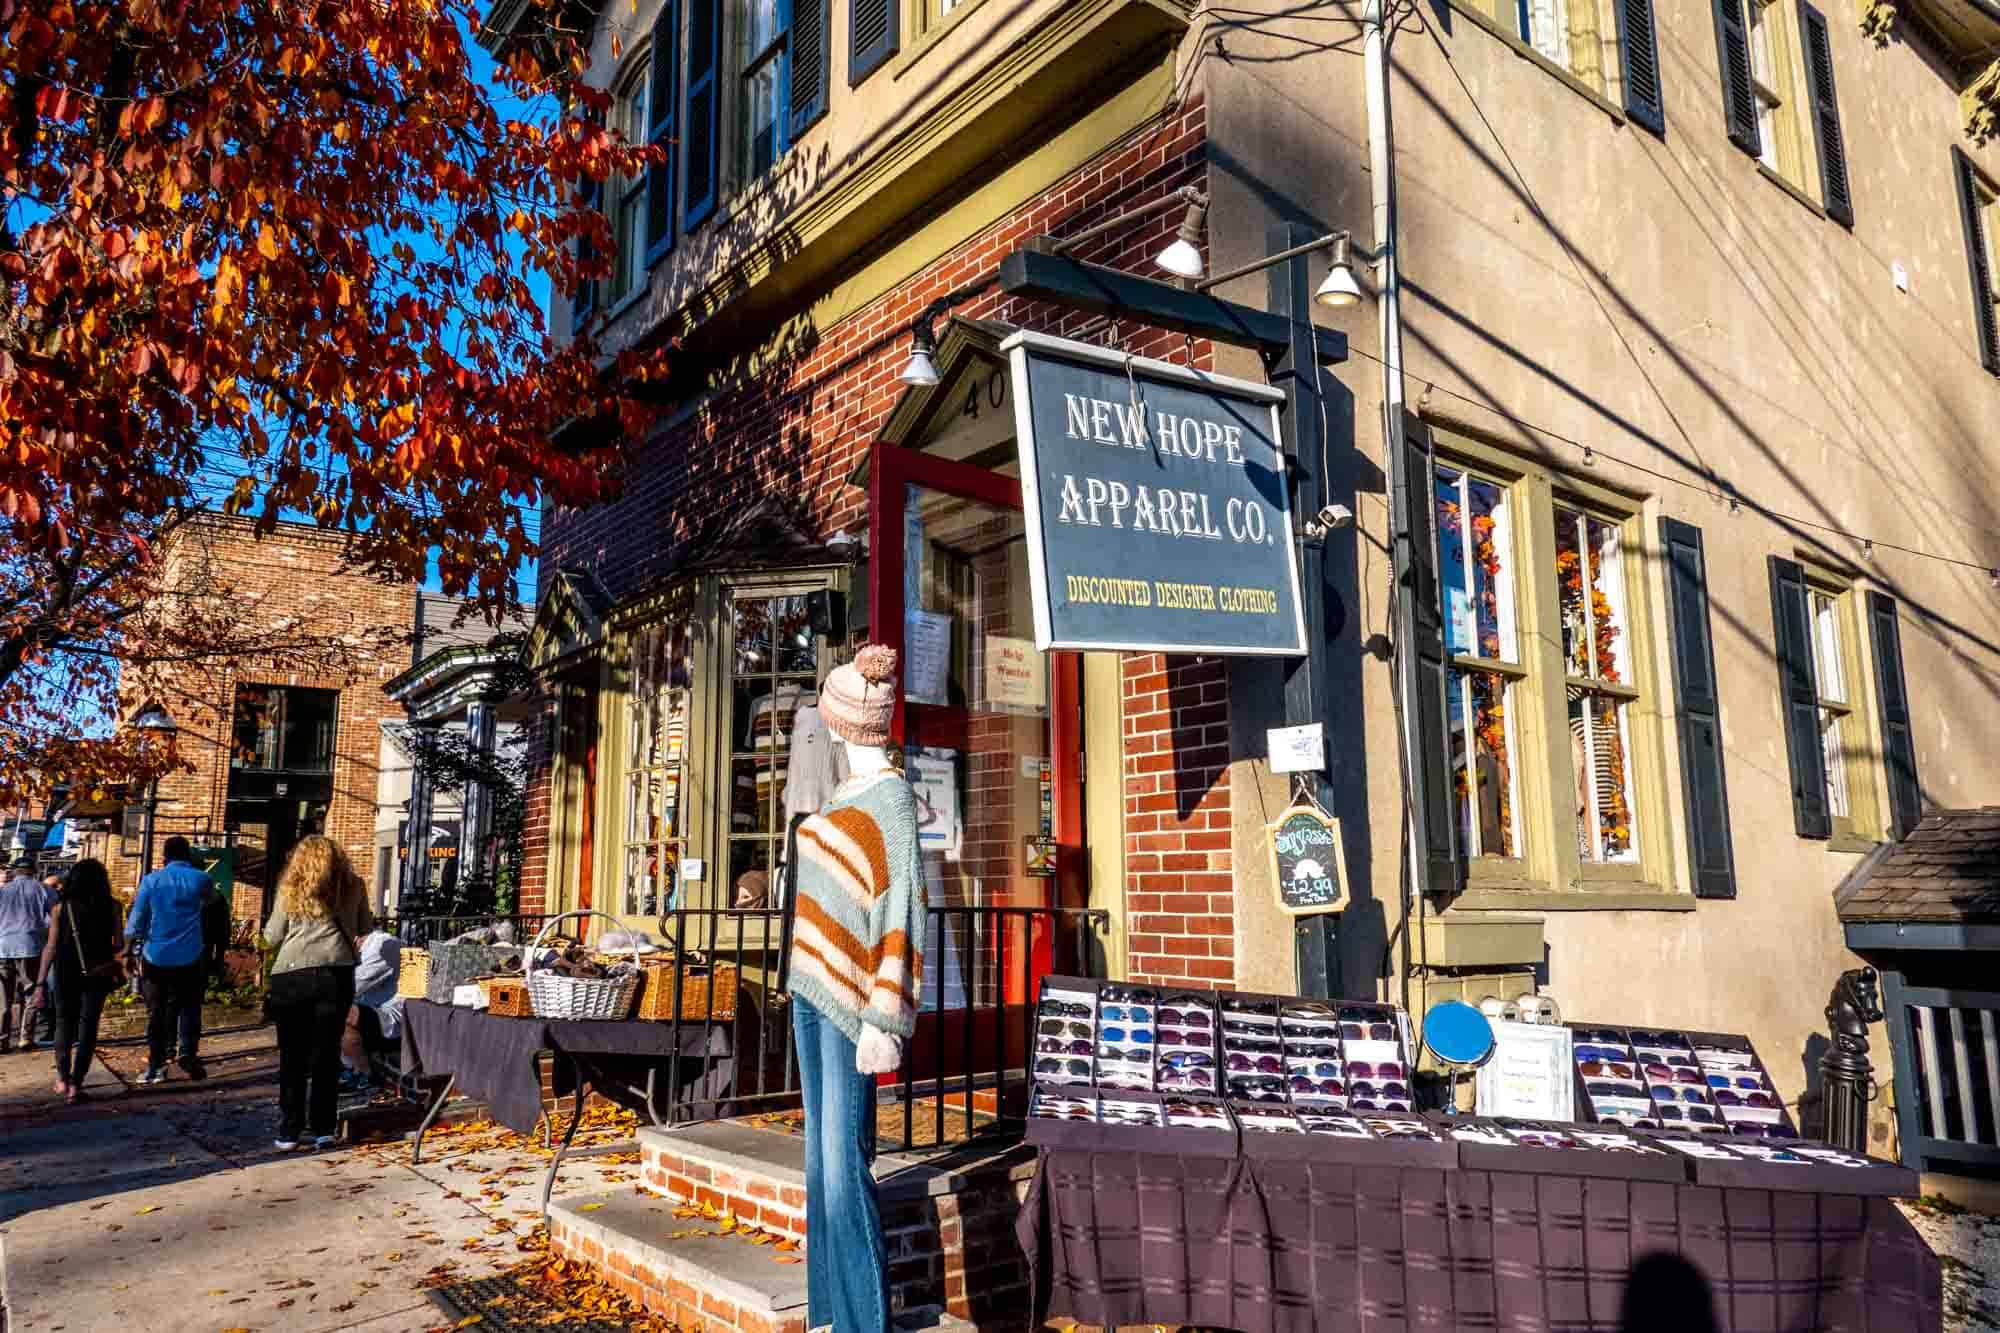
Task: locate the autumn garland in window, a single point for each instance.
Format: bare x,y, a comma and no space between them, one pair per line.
1489,691
1614,805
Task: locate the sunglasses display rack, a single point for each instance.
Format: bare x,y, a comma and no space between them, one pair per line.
1556,1148
1667,1079
1065,1024
1735,1162
1125,1037
1186,1062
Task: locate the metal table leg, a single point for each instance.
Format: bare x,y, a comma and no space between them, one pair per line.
576,1118
430,1118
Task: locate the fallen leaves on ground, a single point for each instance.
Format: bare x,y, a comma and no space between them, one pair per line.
729,1224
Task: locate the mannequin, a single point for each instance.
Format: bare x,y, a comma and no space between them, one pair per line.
855,970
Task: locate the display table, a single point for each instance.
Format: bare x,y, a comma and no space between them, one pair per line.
1269,1244
494,1060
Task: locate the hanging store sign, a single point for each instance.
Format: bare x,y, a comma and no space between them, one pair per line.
1308,863
1157,510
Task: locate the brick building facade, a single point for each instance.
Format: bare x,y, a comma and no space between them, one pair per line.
286,743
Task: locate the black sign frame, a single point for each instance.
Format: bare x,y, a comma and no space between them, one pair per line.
1285,864
1027,350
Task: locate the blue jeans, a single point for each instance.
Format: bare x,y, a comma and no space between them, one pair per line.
847,1262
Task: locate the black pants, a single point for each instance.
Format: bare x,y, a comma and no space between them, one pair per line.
310,1005
78,1007
175,996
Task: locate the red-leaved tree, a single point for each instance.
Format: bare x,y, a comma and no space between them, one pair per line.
276,255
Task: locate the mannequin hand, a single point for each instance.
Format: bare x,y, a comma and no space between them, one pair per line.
877,1052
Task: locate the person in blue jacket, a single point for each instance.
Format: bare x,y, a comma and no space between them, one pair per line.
167,915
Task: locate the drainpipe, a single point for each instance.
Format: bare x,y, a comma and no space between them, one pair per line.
1388,302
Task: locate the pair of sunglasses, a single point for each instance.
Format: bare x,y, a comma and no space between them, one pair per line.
1056,1046
1367,1089
1723,1097
1661,1071
1268,1064
1126,994
1367,1032
1738,1081
1371,1104
1639,1038
1763,1131
1138,1036
1206,1110
1056,1028
1605,1069
1262,1008
1666,1058
1064,1009
1663,1093
1193,1078
1376,1069
1184,1037
1064,1115
1614,1090
1251,1047
1329,1087
1188,1060
1081,1068
1313,1050
1116,1056
1700,1115
1321,1068
1187,1018
1309,1011
1602,1053
1126,1013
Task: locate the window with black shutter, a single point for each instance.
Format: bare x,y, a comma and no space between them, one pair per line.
662,177
1421,672
1979,211
1834,191
1639,52
1711,853
1899,748
703,123
763,55
810,69
1740,104
875,35
1792,645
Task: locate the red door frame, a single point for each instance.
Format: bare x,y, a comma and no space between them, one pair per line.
891,470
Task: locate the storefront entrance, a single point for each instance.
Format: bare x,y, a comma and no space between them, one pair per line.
991,731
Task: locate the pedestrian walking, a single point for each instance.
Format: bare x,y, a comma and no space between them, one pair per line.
24,926
82,962
322,910
167,916
46,1035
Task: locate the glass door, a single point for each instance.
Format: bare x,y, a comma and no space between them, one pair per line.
990,730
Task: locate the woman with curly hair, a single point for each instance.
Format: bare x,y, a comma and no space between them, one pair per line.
322,910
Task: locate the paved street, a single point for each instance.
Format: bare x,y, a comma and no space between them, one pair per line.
168,1209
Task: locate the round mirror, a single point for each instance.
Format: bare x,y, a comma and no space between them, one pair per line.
1457,1034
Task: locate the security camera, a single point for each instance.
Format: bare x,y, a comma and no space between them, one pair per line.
1328,519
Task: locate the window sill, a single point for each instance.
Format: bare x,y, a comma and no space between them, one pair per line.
921,46
1534,57
626,302
1851,842
1811,204
1540,898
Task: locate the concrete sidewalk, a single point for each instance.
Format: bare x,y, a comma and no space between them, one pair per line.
169,1209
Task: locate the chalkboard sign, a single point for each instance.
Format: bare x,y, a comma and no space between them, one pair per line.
1308,866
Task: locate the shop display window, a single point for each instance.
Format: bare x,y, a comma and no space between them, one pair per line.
656,735
773,669
1476,572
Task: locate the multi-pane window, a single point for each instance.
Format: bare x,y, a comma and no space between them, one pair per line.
1590,595
631,117
1836,705
762,54
655,766
774,668
1574,35
1771,83
1476,571
283,729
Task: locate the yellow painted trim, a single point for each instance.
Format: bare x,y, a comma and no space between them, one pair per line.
1568,78
1649,900
1104,801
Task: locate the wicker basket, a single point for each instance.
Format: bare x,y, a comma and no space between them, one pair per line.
703,991
555,996
413,974
506,997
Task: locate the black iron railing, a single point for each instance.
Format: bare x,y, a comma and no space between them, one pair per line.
965,1069
426,930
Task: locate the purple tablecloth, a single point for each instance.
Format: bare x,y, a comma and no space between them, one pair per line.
1271,1246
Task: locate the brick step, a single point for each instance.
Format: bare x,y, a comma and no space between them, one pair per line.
948,1216
706,1281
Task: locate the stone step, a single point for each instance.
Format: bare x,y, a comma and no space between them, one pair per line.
689,1271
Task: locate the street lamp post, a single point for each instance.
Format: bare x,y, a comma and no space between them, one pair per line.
158,724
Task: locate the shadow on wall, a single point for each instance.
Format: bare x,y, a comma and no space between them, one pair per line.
1812,1102
1664,1293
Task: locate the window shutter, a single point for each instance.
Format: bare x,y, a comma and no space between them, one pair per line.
1739,99
1899,747
665,97
700,140
1639,49
1698,708
1791,622
1421,668
810,71
875,37
1983,313
1826,116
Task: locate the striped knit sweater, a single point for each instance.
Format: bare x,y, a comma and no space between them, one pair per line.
857,940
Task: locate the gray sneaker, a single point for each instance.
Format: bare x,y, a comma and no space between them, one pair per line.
156,1074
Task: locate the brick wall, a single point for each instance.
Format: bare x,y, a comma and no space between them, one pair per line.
290,582
1179,892
792,434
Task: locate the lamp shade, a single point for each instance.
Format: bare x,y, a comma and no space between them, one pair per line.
155,719
1339,289
919,369
1181,259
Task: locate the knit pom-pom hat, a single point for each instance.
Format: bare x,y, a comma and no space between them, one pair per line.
858,698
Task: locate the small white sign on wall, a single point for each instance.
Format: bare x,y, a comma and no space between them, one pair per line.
1296,749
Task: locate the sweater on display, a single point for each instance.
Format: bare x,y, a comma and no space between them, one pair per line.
857,940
